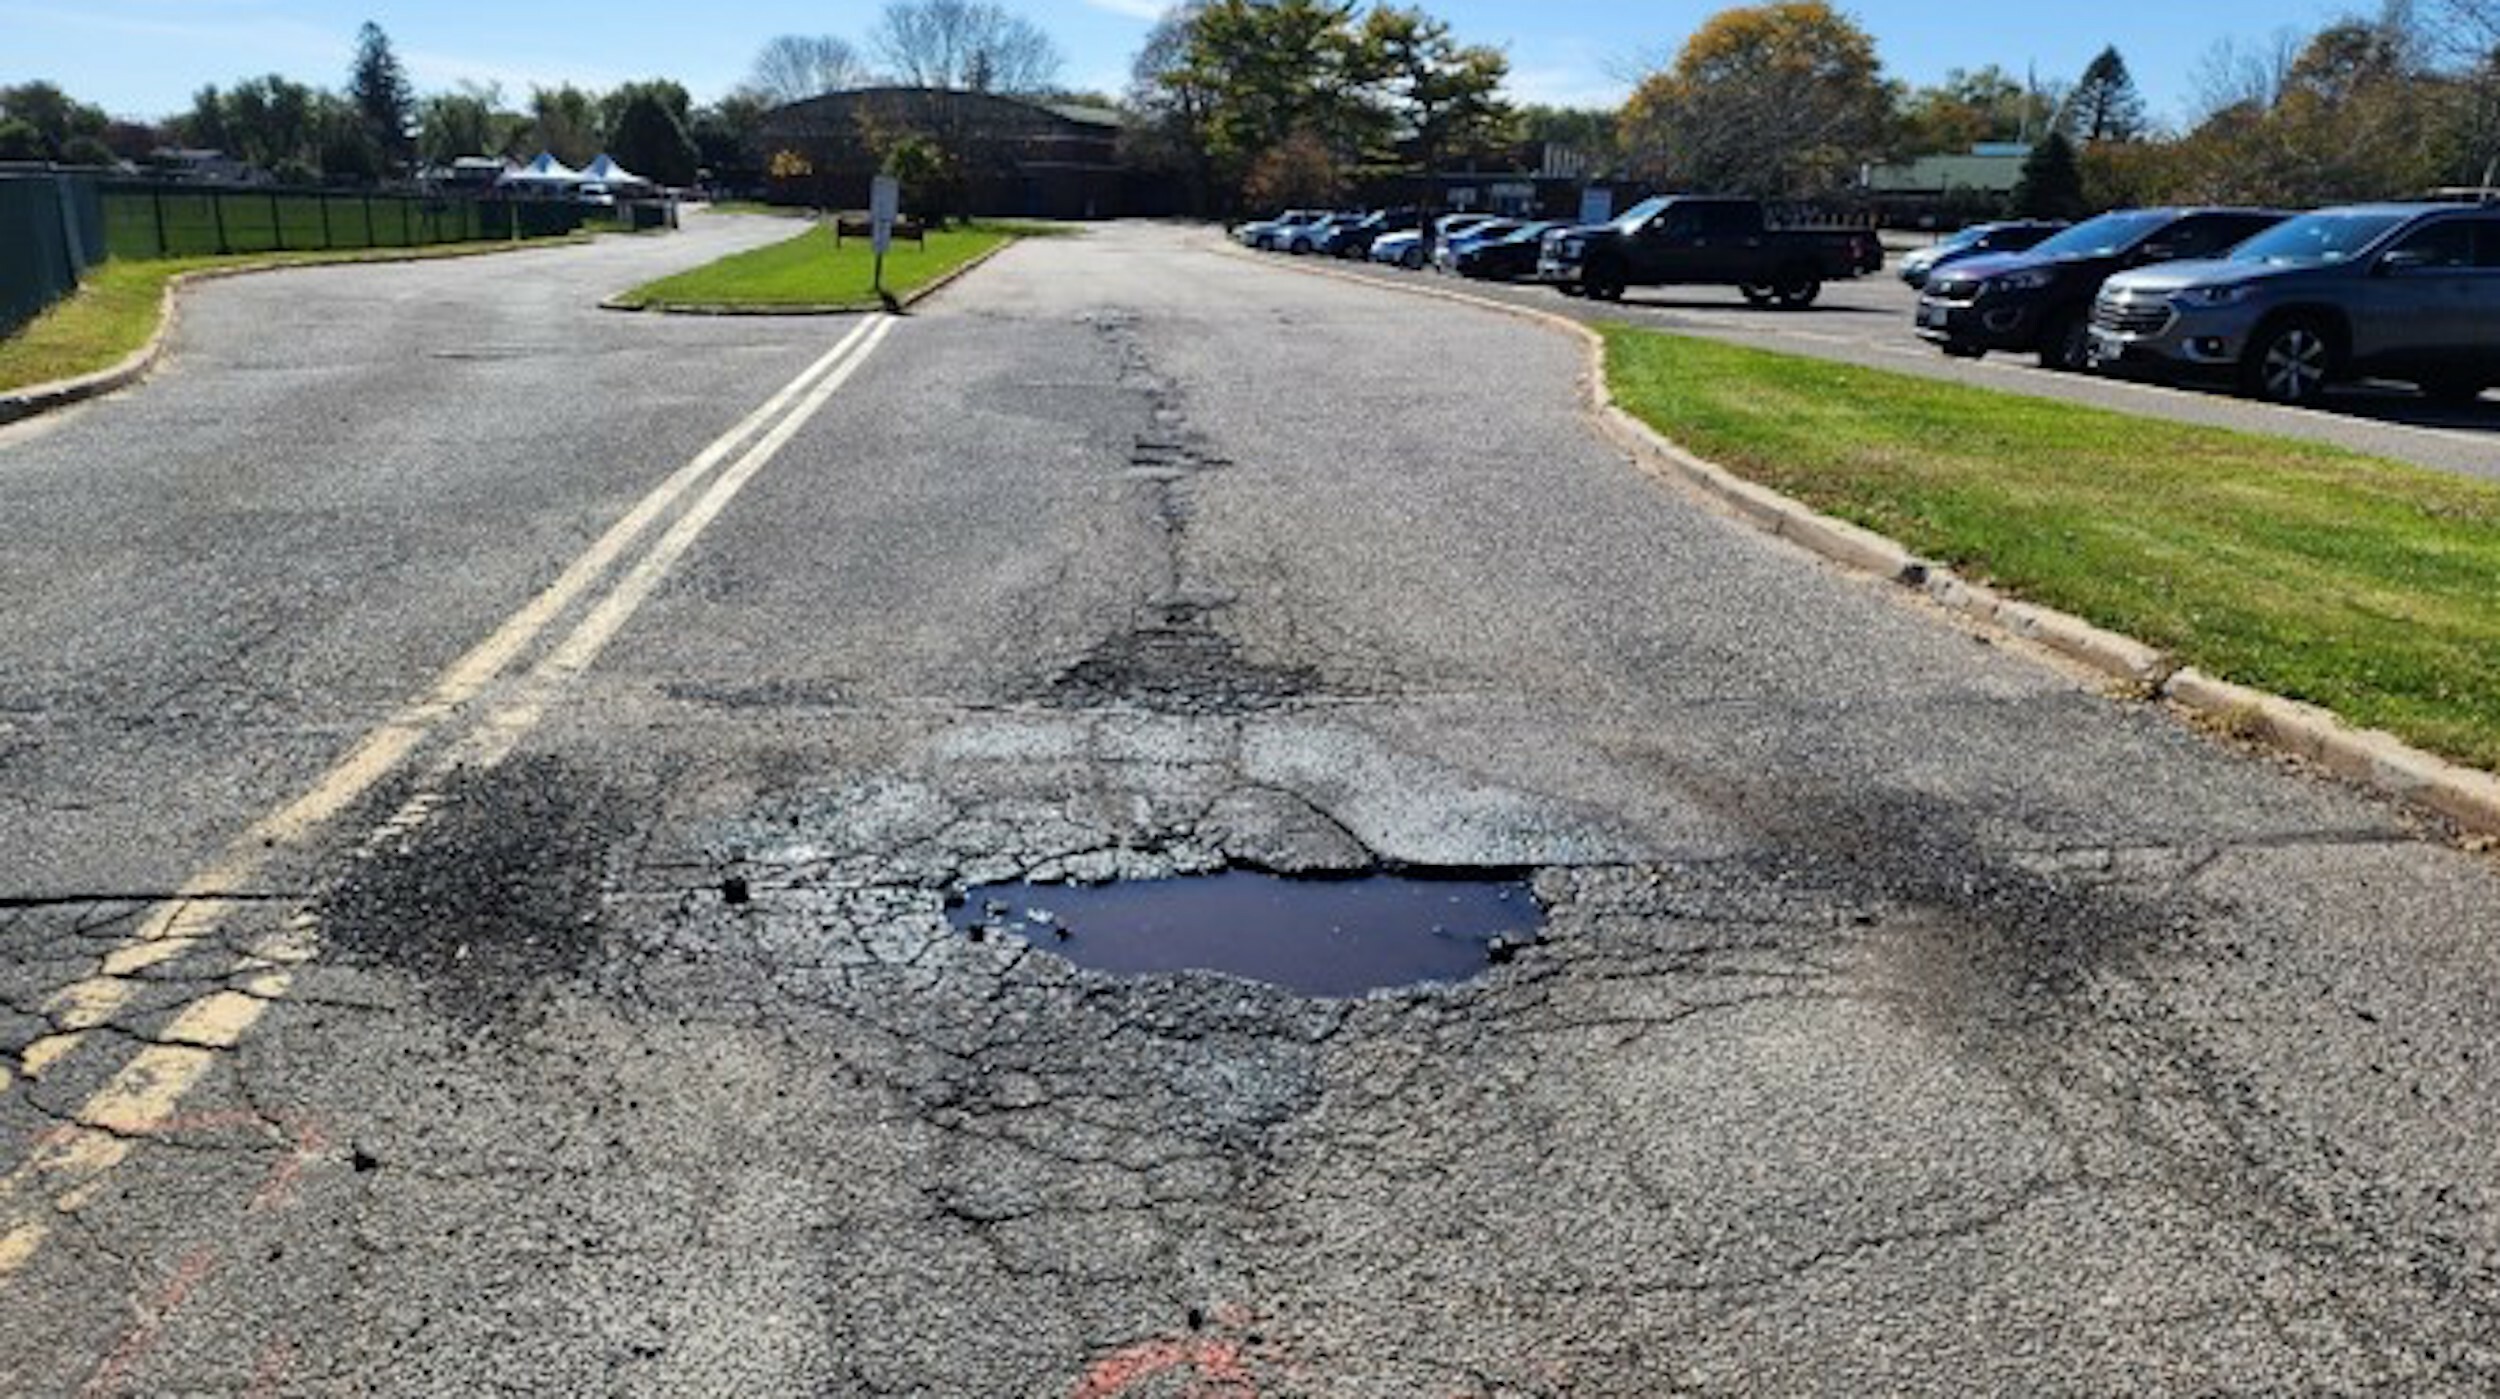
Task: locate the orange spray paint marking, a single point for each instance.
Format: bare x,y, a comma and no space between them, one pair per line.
188,1274
1215,1367
309,1145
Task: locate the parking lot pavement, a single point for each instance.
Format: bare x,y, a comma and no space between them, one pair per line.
1868,322
1907,1018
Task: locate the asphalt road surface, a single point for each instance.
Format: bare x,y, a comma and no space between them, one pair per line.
480,780
1868,322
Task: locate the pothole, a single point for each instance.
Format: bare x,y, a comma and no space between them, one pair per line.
1327,938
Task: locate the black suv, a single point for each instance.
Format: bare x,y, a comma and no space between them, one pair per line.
2042,300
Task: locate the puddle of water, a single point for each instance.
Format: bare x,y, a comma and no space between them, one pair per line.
1326,938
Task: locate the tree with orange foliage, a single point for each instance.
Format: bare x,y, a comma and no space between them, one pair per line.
1781,100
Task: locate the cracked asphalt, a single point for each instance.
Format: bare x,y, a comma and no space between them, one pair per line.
1911,1018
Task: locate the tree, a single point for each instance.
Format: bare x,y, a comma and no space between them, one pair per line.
565,121
2105,105
1170,109
2051,186
2238,72
1444,96
455,124
1300,170
967,44
1777,100
1970,107
649,140
795,67
724,136
49,124
1269,71
378,89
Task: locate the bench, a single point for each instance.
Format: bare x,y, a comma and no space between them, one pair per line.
859,225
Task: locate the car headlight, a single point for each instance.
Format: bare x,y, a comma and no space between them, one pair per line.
2019,281
2229,294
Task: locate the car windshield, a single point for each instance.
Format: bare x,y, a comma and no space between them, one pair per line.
2316,239
2110,233
1968,237
1631,219
1527,232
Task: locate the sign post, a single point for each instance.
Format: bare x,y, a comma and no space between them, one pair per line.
885,203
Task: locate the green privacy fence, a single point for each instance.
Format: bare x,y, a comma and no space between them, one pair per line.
51,231
54,226
185,221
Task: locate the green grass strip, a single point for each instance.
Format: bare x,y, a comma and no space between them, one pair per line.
114,311
2367,586
809,272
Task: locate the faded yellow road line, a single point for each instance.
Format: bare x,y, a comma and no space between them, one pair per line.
177,926
72,1162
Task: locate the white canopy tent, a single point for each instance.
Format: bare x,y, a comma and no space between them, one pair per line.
605,171
546,174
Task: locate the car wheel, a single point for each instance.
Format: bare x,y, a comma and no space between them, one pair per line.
1602,283
1757,293
1412,259
2289,362
1301,247
2066,343
1797,290
1963,349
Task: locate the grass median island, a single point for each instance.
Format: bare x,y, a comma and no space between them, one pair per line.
809,273
115,309
2366,586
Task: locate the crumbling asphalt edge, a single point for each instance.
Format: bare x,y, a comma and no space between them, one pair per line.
2467,797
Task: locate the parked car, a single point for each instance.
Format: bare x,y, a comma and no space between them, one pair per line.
1265,234
1313,236
2398,291
2041,300
1978,240
1355,240
1680,240
1407,249
1445,256
1510,258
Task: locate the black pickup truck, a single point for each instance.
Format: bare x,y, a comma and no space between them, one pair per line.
1680,240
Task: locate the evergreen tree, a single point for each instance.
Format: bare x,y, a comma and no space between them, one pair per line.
378,89
2052,181
2105,106
649,140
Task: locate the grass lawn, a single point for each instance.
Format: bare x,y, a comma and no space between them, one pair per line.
2366,586
114,310
807,271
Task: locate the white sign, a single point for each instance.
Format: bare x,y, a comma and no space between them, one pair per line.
885,203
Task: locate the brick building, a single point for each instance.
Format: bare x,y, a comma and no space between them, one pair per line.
1008,157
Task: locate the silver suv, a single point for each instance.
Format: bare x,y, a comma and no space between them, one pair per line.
2400,291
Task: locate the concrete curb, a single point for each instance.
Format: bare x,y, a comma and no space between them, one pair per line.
857,308
16,405
2369,757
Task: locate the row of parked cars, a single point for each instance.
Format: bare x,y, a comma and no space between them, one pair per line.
2280,304
1488,246
1674,240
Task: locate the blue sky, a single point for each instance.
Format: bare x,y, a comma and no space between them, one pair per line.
145,57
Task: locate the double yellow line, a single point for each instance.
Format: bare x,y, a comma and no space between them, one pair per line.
481,704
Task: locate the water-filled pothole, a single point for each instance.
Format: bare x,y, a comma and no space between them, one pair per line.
1328,938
